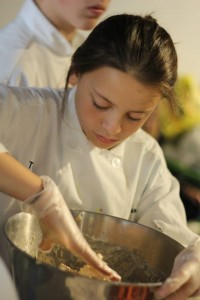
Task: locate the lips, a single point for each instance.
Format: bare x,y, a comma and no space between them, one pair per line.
105,140
96,10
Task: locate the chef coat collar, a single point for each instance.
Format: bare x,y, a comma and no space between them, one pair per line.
44,31
71,119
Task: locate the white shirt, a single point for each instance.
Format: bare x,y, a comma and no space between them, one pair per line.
130,181
33,52
2,148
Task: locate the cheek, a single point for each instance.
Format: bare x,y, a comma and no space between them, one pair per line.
129,129
89,116
94,118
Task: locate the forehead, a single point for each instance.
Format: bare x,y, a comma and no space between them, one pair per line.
120,87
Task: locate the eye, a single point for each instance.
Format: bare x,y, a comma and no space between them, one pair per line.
132,119
99,107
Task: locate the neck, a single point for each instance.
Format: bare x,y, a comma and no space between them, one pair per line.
68,35
66,30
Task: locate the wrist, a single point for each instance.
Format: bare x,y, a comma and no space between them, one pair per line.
45,200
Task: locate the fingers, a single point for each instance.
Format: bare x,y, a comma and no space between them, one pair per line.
170,286
89,256
185,292
82,249
181,284
104,269
45,245
75,243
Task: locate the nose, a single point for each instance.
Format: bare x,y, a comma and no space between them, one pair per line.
112,124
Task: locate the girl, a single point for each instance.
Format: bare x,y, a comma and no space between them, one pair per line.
91,143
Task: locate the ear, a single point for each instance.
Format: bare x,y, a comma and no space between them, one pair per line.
73,79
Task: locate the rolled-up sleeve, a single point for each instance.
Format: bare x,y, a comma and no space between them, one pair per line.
2,148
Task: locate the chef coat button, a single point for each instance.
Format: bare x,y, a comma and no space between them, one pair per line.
72,144
115,162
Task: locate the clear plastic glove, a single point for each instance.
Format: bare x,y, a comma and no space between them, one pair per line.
58,226
184,281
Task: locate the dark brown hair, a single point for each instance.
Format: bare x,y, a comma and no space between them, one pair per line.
133,44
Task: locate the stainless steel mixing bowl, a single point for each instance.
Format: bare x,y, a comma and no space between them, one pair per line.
141,255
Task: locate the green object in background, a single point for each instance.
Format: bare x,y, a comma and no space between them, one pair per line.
183,172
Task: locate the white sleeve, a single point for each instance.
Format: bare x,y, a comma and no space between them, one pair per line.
161,207
2,148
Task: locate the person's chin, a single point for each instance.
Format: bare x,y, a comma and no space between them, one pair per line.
107,147
89,24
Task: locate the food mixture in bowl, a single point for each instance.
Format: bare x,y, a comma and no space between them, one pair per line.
128,263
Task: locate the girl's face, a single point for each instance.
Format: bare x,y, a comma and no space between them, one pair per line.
111,105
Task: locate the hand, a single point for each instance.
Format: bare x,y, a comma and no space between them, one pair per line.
58,226
184,281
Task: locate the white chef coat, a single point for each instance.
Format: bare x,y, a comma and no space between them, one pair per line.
130,181
33,52
3,148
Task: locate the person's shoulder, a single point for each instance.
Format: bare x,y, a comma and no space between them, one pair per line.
141,146
32,95
15,34
14,39
145,142
13,42
45,94
142,137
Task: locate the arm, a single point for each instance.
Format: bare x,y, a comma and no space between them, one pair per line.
16,180
184,280
162,209
45,200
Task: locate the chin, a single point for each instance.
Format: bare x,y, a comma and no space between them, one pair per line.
89,25
104,146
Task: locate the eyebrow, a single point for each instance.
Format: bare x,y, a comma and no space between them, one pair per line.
106,99
133,111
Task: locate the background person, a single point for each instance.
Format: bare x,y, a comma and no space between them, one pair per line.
35,49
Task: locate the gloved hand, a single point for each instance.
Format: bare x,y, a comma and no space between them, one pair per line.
58,226
184,280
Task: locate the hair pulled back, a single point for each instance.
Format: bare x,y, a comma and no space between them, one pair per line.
133,44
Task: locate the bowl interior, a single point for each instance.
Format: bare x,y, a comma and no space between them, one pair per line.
138,253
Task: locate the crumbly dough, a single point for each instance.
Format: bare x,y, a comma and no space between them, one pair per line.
86,270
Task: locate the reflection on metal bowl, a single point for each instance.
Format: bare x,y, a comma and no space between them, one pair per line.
141,255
